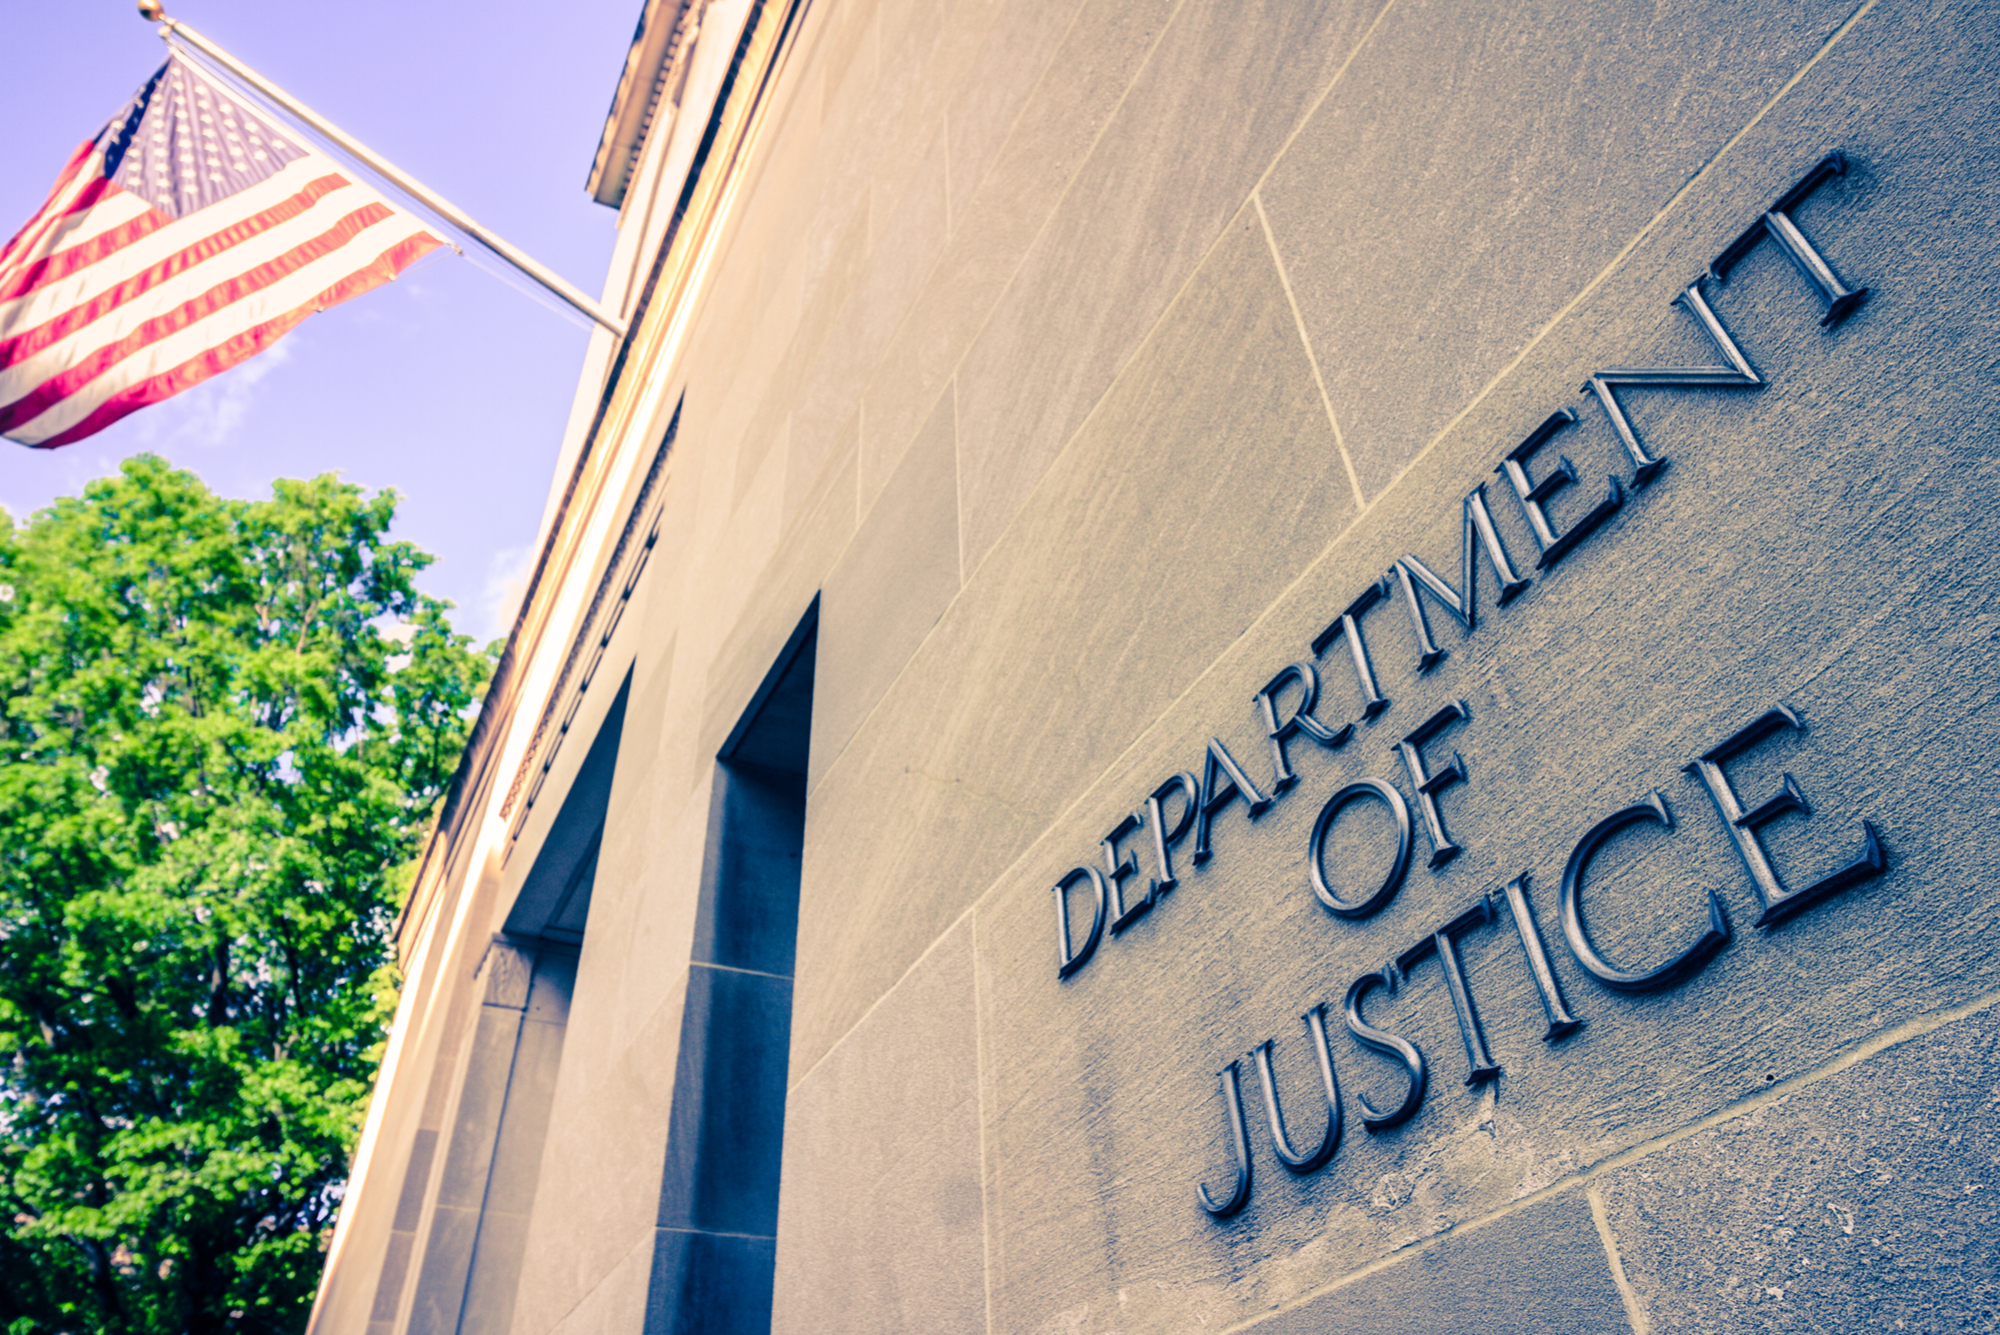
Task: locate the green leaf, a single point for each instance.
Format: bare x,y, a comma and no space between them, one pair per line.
223,728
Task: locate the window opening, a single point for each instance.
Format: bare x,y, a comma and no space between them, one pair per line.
716,1241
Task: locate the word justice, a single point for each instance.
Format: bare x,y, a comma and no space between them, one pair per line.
1182,809
1775,900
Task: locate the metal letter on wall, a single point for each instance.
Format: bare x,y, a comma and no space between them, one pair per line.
1069,959
1329,1141
1534,494
1738,374
1406,1053
1347,626
1444,944
1222,782
1561,1022
1239,1142
1398,868
1165,837
1301,721
1778,225
1412,576
1119,869
1772,897
1429,785
1678,969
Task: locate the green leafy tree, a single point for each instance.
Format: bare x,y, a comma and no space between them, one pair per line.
224,726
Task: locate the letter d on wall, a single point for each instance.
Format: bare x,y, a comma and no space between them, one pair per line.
1069,959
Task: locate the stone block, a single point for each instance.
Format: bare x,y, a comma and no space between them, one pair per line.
828,284
725,1138
440,1288
889,588
1541,1268
657,878
748,915
823,523
1864,1200
1080,88
1508,156
1057,654
469,1148
549,995
598,1193
1157,192
395,1270
845,44
908,225
496,1268
416,1180
616,1305
1014,46
517,1152
709,1284
881,1219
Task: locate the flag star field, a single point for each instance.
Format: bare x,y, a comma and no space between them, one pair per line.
183,144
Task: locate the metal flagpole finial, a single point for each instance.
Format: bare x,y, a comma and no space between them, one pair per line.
152,11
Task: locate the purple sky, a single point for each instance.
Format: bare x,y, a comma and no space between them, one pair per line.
448,385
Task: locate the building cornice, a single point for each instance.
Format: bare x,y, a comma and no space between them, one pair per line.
655,66
643,358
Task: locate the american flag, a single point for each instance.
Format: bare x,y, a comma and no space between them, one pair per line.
187,236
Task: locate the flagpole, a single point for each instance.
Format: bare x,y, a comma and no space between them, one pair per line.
548,279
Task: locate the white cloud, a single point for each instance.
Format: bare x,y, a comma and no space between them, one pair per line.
209,415
398,632
507,573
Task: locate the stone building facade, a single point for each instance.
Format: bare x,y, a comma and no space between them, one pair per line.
1281,667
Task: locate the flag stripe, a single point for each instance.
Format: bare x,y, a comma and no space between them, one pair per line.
187,375
86,369
54,207
19,348
33,369
115,207
53,268
173,236
299,290
48,232
247,344
162,353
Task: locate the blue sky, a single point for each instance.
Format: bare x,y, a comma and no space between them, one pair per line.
448,385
